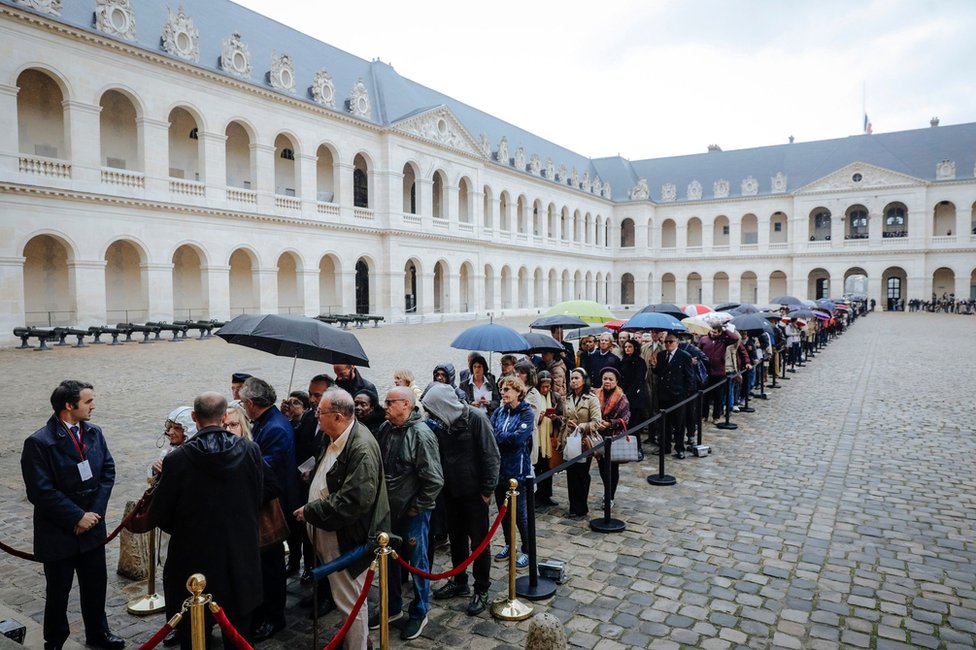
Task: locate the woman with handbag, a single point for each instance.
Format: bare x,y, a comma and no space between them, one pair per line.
582,417
615,410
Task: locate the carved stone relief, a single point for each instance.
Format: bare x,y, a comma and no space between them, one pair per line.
562,175
550,171
640,191
694,190
235,58
358,101
584,183
282,74
322,89
669,192
575,179
181,37
52,7
520,158
750,186
597,186
116,18
485,145
778,182
607,193
945,170
535,164
439,126
503,151
720,189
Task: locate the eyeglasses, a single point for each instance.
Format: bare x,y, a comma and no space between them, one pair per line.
389,402
320,412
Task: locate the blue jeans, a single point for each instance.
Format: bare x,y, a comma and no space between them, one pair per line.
413,530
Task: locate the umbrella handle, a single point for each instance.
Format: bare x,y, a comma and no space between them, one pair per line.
292,378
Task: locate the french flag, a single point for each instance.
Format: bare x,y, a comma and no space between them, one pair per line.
867,125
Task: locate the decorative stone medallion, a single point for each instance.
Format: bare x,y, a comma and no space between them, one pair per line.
181,37
322,89
52,7
945,170
750,186
640,191
235,59
720,189
694,190
116,18
669,192
358,101
282,75
778,182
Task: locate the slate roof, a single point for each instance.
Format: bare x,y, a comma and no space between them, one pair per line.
394,98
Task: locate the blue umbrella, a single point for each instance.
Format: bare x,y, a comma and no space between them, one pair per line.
653,320
826,303
491,337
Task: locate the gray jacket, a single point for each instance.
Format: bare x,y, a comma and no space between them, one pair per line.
412,464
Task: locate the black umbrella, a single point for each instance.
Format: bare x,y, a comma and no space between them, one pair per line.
744,308
295,336
539,342
785,300
592,330
747,322
566,321
665,308
727,306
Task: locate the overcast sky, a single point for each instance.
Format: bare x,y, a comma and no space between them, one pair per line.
653,78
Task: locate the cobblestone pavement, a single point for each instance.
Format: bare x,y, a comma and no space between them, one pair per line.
839,514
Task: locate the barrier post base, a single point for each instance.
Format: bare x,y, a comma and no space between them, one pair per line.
146,605
728,426
510,610
746,409
543,589
607,525
661,479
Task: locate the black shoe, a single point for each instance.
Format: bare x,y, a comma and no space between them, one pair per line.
306,576
575,516
173,638
374,618
326,605
478,604
451,590
680,455
267,630
107,642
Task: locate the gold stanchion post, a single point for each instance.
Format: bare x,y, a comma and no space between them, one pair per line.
510,608
383,552
195,584
152,602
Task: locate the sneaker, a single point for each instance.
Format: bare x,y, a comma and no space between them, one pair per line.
413,628
522,562
735,409
502,555
478,604
374,619
451,590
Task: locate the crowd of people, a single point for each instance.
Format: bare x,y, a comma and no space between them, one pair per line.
343,465
947,304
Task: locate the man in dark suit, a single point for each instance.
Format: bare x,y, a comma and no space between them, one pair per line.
208,500
676,381
69,474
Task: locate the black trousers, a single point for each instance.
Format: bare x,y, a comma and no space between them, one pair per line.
92,581
716,398
273,585
543,489
467,526
674,426
578,486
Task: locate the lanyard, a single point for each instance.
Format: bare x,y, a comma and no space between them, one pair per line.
78,442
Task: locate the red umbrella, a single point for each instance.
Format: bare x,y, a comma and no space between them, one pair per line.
615,324
696,310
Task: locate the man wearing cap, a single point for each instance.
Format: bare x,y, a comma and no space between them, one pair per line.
236,382
69,474
676,382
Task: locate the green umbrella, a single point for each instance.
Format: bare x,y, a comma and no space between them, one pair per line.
588,310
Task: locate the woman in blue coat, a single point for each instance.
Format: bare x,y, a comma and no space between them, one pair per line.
513,423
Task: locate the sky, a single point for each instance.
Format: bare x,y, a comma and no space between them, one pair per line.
654,78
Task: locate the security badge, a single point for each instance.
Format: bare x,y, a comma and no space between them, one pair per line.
84,469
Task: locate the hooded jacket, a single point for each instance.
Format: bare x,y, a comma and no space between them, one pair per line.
469,454
514,429
412,463
448,369
207,499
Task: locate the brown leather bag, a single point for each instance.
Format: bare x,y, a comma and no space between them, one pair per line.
272,527
140,519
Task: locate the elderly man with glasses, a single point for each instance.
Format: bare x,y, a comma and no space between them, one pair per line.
676,382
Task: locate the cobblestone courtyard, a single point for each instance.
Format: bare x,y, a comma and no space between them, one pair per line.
840,514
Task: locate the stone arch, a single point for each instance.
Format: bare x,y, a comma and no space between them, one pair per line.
779,228
506,286
588,228
564,224
466,287
720,288
778,283
693,237
119,141
818,284
893,286
895,220
411,172
438,190
362,187
365,285
600,295
291,293
126,288
238,158
244,290
577,222
599,231
818,228
537,218
748,287
441,287
856,222
669,234
720,231
577,285
49,298
486,211
944,283
669,289
330,285
190,295
855,281
944,219
503,206
551,229
627,233
326,173
749,233
41,126
285,165
413,285
465,200
693,294
627,294
185,148
521,216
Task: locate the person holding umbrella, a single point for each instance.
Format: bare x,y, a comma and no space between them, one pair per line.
714,345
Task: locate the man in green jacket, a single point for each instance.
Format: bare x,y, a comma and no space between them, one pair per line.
412,464
348,503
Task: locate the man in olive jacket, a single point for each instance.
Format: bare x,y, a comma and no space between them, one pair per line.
412,464
348,505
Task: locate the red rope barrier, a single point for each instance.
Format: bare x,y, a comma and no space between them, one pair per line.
337,639
23,555
464,565
157,638
229,630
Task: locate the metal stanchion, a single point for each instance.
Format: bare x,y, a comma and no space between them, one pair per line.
661,478
511,608
532,586
728,425
606,524
700,403
782,366
152,602
745,393
762,379
195,584
383,554
773,369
